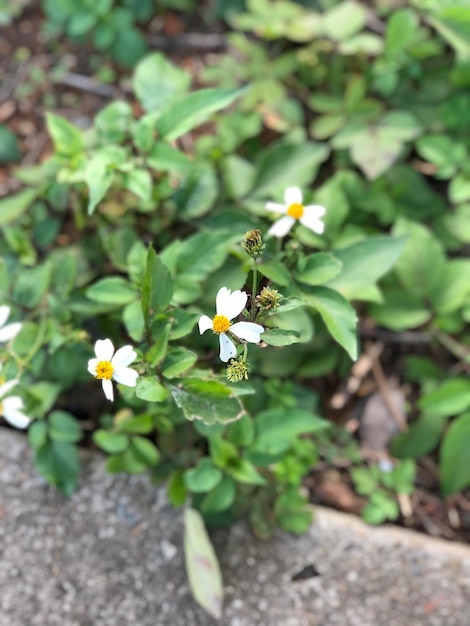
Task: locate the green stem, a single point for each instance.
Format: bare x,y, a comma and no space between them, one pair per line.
245,352
253,294
453,346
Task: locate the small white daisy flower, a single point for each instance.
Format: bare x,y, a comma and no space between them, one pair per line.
109,365
10,408
294,209
228,306
10,330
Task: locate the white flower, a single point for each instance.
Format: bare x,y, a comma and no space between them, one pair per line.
11,407
10,330
294,209
228,306
107,367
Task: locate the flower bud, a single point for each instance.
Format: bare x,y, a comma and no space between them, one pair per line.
237,370
269,299
253,243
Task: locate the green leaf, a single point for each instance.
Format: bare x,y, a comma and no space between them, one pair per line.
139,182
202,566
380,508
243,471
376,147
37,434
454,289
207,400
197,192
364,262
459,188
422,260
220,498
276,271
401,310
339,316
9,150
286,164
31,285
242,432
177,492
161,331
276,429
204,477
443,152
114,290
58,462
110,441
453,24
402,28
178,361
365,481
293,511
454,458
144,451
421,438
450,398
99,179
157,82
150,389
318,269
112,122
127,462
192,110
14,206
279,337
165,158
157,286
344,20
68,139
140,424
64,427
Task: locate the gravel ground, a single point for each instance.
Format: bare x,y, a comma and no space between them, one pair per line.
112,556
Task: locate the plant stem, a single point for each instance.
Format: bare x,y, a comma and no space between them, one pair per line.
253,294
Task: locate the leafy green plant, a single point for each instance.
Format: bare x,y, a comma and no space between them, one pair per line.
110,24
382,484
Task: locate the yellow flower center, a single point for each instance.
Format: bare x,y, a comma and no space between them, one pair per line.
220,324
105,370
295,210
1,409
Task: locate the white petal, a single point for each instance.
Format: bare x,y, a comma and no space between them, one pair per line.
8,386
314,210
230,304
12,413
205,323
9,331
293,195
227,348
4,314
221,300
282,226
104,349
124,356
313,222
126,376
275,207
108,389
248,331
92,363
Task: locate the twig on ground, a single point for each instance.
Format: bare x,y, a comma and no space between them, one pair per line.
384,389
206,42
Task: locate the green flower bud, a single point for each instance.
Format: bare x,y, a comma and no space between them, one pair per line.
237,370
253,243
269,299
